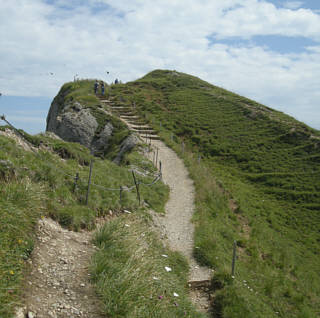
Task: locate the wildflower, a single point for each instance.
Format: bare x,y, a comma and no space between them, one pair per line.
19,241
11,272
160,297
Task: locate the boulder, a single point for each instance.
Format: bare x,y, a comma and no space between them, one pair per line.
72,122
90,126
126,146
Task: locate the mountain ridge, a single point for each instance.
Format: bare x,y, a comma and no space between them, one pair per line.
263,161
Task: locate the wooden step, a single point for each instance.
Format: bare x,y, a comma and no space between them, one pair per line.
143,132
152,137
137,121
130,117
199,284
120,107
142,127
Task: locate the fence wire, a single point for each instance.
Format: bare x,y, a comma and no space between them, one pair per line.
78,179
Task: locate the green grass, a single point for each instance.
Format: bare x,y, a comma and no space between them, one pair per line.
268,164
41,183
129,271
257,183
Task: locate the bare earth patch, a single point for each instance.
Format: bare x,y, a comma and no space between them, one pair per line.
59,283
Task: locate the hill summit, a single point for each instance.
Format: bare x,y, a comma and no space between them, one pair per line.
256,175
256,172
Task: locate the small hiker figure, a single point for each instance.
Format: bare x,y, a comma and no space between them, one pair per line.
102,88
96,86
116,81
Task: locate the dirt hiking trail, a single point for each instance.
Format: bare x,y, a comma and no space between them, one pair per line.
176,223
59,284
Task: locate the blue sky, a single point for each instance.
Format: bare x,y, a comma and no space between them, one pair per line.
27,113
275,43
265,50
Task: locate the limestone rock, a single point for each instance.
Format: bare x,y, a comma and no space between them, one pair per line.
100,144
72,122
126,146
90,126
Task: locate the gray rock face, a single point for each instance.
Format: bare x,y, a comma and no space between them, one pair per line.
101,143
72,123
126,146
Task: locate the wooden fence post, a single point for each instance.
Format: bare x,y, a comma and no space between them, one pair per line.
89,181
137,186
157,157
234,256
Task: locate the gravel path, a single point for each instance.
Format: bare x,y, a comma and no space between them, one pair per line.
176,223
58,285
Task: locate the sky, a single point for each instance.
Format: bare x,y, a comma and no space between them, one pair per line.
265,50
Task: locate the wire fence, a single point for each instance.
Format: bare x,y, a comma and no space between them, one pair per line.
77,180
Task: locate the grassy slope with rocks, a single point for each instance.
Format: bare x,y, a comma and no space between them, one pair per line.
257,183
36,184
39,183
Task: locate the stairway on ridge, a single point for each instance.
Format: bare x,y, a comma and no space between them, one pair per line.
128,115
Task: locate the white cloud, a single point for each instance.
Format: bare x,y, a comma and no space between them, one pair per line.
293,4
130,38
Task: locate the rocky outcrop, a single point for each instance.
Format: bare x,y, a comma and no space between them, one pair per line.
126,146
72,123
100,144
91,126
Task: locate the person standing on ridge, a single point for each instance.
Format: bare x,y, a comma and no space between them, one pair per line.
96,85
102,88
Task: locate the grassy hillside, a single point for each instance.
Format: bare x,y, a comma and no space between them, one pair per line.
39,183
257,183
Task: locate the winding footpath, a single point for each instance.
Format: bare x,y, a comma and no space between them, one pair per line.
176,223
